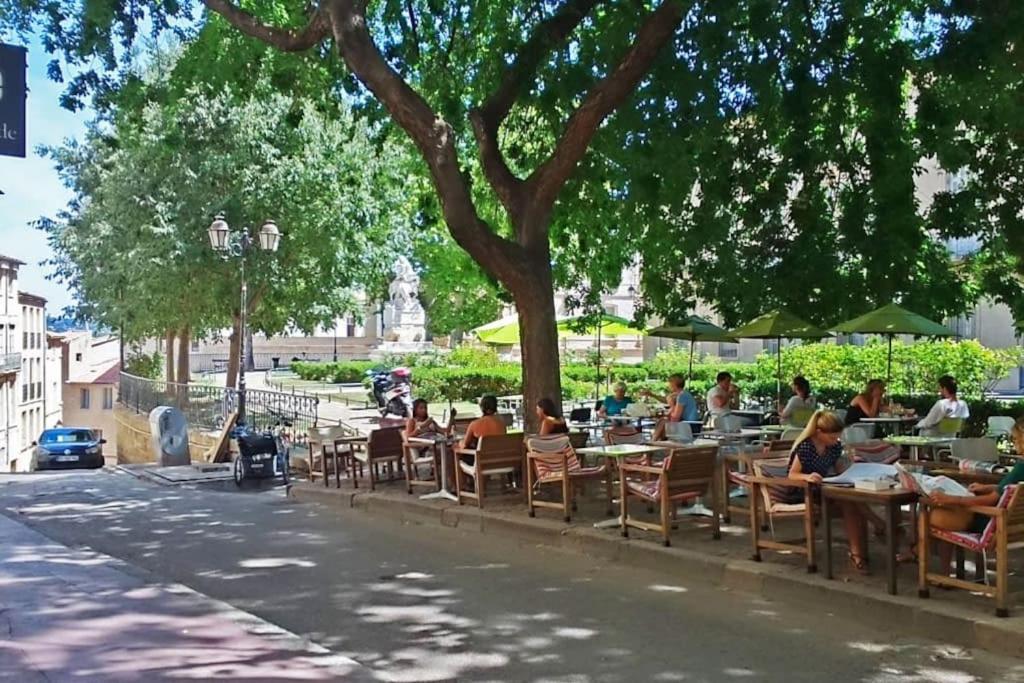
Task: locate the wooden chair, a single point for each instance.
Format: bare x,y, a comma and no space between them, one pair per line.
627,434
1005,528
551,460
500,454
682,475
738,478
774,490
383,447
323,444
417,456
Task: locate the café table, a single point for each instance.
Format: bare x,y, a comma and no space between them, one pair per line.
612,454
743,434
891,499
441,442
898,423
915,443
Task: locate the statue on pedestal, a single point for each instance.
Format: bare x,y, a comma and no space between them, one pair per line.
408,319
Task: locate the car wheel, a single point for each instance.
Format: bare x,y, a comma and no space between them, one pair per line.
238,470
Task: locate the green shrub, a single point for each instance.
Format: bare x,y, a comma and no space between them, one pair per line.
147,365
472,356
466,384
347,372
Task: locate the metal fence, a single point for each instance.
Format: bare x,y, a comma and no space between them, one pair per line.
207,407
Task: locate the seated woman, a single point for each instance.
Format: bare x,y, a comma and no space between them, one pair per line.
488,424
953,513
551,420
867,403
948,406
680,403
814,456
616,403
802,400
421,424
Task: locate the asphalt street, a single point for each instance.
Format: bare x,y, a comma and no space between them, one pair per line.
413,603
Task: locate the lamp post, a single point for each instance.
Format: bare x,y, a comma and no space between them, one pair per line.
236,245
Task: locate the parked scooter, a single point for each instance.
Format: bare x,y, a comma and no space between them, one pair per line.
391,390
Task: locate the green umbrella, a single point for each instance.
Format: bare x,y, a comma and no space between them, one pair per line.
692,329
778,325
500,332
891,320
603,325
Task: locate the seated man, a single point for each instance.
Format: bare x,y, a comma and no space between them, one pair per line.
948,406
721,395
616,403
488,424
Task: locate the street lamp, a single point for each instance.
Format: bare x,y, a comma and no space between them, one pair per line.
236,245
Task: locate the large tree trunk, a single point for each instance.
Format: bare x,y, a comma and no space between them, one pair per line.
184,340
538,339
233,353
169,355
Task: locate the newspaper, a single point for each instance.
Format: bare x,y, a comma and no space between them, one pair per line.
863,471
925,485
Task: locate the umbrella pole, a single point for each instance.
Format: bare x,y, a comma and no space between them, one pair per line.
778,372
597,388
888,374
690,377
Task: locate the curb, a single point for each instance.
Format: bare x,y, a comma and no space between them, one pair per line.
933,619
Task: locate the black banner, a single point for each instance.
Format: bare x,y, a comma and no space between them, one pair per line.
12,100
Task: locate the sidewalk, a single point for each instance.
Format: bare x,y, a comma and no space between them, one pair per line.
74,615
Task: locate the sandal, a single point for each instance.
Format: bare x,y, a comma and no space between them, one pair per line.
859,563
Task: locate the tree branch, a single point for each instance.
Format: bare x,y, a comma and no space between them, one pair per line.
432,135
487,119
547,180
287,40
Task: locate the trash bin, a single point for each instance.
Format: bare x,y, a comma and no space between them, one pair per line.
169,431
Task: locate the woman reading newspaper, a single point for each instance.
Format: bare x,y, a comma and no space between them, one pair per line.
952,511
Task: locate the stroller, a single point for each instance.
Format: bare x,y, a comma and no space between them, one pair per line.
261,456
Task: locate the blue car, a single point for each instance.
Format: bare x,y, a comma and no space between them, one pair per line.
68,447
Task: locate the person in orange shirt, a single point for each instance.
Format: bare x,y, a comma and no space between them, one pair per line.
488,424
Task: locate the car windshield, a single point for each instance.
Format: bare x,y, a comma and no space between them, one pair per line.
77,436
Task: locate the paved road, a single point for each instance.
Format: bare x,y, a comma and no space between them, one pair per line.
418,604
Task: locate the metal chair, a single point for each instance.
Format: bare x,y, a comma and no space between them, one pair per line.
1000,425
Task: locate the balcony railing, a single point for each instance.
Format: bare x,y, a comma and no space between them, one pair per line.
9,362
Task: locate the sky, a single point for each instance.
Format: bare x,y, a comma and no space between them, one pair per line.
31,186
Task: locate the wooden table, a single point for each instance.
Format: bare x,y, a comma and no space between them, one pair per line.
916,442
890,499
441,442
612,454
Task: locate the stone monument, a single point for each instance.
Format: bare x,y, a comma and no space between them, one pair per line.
404,318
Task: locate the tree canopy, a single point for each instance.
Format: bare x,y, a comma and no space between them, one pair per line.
133,245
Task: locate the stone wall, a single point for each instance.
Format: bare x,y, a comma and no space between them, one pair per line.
134,443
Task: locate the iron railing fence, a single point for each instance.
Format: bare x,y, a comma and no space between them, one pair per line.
207,407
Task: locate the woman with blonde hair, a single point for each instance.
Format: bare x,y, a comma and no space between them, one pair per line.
815,455
867,403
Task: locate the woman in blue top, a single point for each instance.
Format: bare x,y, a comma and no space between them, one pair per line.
816,455
680,403
616,403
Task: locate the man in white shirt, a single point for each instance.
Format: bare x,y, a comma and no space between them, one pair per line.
719,395
948,406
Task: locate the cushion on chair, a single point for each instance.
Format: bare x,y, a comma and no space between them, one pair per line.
875,452
550,467
977,542
782,495
471,469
